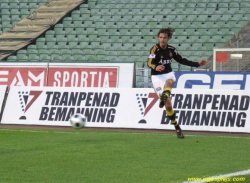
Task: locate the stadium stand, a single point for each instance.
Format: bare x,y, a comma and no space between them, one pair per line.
111,28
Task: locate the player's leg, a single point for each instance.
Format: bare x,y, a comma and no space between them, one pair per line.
169,109
158,84
171,114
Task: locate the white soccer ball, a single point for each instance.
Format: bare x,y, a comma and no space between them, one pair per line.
78,121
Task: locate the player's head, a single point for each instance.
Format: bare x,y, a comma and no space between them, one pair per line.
169,31
164,35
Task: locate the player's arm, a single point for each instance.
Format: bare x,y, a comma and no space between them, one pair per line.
184,61
151,59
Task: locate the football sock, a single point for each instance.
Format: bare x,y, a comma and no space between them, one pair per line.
167,92
171,115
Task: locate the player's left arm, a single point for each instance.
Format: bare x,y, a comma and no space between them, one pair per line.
184,61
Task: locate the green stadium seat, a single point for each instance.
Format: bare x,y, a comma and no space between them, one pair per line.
243,21
95,41
22,58
140,43
33,58
12,58
136,35
116,15
211,6
128,43
44,58
111,54
56,58
125,35
245,6
228,35
84,12
122,54
152,22
75,14
144,29
75,52
77,21
68,58
117,42
110,22
223,6
67,21
101,29
111,28
32,52
72,42
5,5
92,58
106,15
113,36
148,35
43,51
234,6
100,53
106,43
51,42
114,8
156,29
98,21
209,44
50,34
142,21
131,22
134,29
150,15
31,47
220,42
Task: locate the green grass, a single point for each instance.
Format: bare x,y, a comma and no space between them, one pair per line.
92,156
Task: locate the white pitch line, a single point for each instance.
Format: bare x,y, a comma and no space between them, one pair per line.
217,177
228,137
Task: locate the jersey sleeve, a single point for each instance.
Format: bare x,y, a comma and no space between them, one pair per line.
182,60
151,58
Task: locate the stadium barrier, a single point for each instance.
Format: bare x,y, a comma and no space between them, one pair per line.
105,75
196,110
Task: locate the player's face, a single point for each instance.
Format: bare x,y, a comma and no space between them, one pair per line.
163,39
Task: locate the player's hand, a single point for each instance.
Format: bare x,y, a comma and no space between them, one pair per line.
202,62
160,68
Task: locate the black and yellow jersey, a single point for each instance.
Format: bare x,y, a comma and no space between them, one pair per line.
158,56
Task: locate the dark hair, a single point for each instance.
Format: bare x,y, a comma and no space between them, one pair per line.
169,31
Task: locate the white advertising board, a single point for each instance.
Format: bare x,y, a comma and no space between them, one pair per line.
198,110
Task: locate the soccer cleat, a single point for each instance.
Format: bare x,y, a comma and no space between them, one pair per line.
162,103
163,98
179,134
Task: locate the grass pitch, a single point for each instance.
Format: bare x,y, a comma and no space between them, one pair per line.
91,156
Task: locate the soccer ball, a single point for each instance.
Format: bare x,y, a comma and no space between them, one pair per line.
78,121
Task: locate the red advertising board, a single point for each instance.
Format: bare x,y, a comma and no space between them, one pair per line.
23,76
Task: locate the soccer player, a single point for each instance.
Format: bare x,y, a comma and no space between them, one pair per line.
162,76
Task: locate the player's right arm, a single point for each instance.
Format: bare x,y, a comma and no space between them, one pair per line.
151,58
